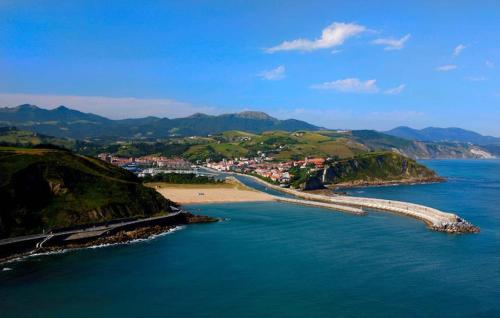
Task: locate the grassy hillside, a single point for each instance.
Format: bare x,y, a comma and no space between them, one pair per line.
48,188
280,145
377,167
14,136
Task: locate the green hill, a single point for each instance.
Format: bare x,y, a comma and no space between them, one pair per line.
11,136
375,168
281,145
50,188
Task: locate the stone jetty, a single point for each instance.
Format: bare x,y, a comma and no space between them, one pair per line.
436,220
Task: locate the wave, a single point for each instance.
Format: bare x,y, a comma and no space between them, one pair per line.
139,240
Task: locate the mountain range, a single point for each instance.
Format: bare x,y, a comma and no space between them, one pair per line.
65,122
37,125
443,135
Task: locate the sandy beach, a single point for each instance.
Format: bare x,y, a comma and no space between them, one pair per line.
209,193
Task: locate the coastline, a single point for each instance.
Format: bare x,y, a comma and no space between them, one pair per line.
16,248
381,183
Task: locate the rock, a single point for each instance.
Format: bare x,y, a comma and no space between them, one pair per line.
191,218
312,183
459,226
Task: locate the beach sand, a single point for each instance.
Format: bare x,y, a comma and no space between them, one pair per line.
209,193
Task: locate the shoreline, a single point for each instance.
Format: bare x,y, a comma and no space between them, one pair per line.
109,241
14,248
389,183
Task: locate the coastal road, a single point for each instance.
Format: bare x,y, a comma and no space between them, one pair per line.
91,231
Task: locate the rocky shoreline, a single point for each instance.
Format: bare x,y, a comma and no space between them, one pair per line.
136,234
119,237
384,183
459,226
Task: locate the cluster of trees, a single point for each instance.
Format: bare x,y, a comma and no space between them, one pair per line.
298,176
183,178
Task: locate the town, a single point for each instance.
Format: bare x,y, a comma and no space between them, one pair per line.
276,172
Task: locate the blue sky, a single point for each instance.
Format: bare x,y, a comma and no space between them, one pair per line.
338,64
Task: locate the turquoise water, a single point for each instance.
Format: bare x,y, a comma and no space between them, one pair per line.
278,260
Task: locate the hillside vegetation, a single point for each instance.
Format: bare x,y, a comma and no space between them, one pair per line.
50,188
373,168
282,145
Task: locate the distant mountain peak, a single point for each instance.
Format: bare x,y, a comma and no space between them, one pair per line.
254,115
26,106
62,108
198,115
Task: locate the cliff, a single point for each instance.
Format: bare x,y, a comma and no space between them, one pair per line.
377,168
52,188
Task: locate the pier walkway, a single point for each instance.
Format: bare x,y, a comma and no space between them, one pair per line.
434,218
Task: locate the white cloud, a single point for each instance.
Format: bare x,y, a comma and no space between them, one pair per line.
333,35
476,78
391,43
395,90
336,51
274,74
489,64
446,68
458,50
349,85
112,107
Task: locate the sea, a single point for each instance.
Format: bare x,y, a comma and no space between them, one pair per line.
270,259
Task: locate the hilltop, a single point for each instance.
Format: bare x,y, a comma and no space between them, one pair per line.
42,188
66,122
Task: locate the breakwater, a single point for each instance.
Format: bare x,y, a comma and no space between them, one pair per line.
435,219
337,207
295,200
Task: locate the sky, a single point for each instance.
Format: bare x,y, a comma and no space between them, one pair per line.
337,64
